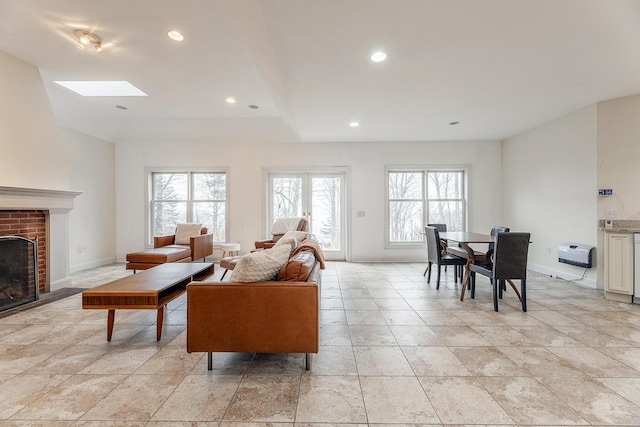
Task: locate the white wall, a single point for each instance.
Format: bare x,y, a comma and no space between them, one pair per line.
618,154
92,228
549,179
247,162
33,153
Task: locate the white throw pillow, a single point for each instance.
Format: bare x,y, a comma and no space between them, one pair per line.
184,233
298,235
287,240
261,266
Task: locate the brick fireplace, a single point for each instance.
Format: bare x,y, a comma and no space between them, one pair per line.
28,224
29,212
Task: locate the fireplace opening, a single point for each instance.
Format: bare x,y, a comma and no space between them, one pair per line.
18,271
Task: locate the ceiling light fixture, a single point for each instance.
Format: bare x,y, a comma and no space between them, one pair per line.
354,124
378,56
175,35
253,107
231,100
85,38
453,123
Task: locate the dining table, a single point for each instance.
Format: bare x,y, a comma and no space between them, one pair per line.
465,238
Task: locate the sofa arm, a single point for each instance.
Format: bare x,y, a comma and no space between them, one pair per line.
201,246
160,241
256,317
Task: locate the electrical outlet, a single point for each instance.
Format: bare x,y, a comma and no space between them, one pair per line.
612,213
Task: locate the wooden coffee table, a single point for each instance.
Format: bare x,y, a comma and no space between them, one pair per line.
150,289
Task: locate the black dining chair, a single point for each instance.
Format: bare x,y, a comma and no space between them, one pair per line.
509,263
484,258
436,256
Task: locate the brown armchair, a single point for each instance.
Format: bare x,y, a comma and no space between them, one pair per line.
303,225
201,246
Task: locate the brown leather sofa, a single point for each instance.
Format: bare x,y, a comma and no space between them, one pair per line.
258,317
165,250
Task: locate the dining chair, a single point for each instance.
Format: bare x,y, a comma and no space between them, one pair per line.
509,263
484,258
436,256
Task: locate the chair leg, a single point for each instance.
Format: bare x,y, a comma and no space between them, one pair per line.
500,286
223,274
455,273
429,269
472,280
495,294
425,270
523,289
438,283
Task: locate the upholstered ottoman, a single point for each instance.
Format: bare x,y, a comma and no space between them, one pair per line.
151,257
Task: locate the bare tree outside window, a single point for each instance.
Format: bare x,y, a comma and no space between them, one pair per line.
325,200
189,197
444,199
406,206
287,197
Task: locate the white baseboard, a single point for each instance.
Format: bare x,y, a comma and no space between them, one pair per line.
59,284
586,282
92,264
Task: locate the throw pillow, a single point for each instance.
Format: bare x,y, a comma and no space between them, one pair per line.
261,265
184,233
287,240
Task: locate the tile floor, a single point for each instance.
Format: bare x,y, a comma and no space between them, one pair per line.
394,350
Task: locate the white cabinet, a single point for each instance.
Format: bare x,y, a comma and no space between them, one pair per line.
618,266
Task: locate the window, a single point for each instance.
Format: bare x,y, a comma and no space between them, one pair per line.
420,197
199,197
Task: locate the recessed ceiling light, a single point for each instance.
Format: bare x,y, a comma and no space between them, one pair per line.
102,88
121,107
354,124
453,123
175,35
231,100
253,107
378,56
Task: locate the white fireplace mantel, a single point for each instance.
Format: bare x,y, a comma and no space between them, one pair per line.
58,203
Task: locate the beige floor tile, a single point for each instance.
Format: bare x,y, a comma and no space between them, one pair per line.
485,362
547,336
463,401
364,317
35,423
593,362
362,335
440,318
629,388
630,356
330,399
360,304
333,360
402,318
540,362
334,335
121,360
170,360
21,390
502,336
31,334
276,364
72,334
594,401
125,402
199,398
270,398
459,336
19,358
223,364
71,399
408,336
381,361
434,361
552,318
594,337
527,402
71,360
396,400
332,316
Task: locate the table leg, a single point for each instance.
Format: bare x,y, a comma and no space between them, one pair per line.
467,269
111,317
159,321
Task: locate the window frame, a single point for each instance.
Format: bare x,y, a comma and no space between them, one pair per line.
424,170
190,172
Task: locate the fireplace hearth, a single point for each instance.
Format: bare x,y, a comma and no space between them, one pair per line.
18,271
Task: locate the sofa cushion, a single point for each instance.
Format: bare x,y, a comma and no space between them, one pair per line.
262,265
184,233
298,268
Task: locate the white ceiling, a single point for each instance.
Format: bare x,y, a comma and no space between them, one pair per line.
499,67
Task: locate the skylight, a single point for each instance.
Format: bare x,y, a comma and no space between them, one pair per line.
102,88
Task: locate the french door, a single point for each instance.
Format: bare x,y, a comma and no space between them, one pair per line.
319,197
